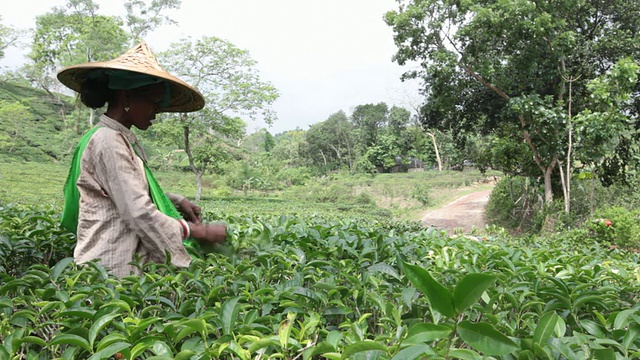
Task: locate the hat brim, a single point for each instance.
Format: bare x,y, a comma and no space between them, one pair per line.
184,97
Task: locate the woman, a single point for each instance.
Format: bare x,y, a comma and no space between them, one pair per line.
112,201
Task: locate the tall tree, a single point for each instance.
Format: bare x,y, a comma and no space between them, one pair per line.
287,148
329,143
269,142
501,66
143,17
74,34
368,119
398,122
232,88
70,35
9,36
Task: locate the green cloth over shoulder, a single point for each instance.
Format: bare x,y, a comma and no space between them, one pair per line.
71,208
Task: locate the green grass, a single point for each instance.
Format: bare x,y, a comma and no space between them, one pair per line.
31,183
34,183
394,191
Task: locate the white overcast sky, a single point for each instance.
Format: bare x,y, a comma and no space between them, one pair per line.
322,55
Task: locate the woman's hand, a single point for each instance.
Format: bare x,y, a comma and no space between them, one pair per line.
190,211
208,233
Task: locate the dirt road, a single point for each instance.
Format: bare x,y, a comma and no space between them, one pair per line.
466,213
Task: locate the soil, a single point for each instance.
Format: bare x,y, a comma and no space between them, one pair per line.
463,214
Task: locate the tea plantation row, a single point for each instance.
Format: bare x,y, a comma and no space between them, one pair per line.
320,287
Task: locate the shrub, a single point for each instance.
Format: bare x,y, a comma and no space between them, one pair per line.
309,280
421,193
616,226
553,217
31,236
363,198
294,176
513,202
363,165
221,191
333,193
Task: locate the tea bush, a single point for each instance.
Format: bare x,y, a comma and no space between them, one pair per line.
313,286
421,193
30,235
616,226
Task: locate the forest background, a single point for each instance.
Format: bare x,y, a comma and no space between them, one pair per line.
548,102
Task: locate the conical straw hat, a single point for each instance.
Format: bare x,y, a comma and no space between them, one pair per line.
140,59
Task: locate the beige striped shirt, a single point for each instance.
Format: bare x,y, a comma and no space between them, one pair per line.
117,217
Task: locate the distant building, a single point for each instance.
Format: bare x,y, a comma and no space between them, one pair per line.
412,165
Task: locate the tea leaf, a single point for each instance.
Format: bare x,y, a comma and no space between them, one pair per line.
546,326
34,340
60,267
424,332
185,355
470,288
630,336
485,338
362,346
412,352
439,296
229,313
464,354
110,350
263,343
70,339
98,325
191,326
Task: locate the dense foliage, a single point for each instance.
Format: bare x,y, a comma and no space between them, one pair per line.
518,72
516,204
311,287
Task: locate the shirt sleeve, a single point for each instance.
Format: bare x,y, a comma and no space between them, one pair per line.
122,177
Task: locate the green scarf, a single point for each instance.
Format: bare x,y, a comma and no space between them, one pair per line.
72,196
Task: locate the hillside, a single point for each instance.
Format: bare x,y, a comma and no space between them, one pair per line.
34,126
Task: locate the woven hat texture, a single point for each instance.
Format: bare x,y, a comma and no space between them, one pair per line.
140,59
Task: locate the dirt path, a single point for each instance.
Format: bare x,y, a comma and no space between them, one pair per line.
466,213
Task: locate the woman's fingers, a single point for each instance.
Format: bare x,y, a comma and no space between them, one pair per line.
190,211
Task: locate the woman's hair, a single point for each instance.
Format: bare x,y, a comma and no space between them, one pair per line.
95,92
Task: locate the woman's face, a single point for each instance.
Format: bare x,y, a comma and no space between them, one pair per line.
144,103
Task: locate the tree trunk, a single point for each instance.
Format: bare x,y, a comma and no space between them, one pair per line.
323,158
198,186
592,194
435,147
565,187
337,152
548,188
567,182
546,170
192,165
349,159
